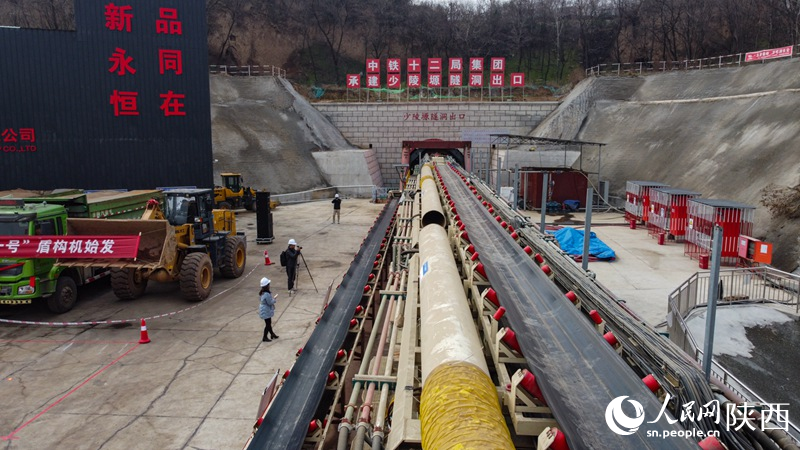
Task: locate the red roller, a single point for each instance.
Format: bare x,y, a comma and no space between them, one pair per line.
471,249
465,236
341,354
531,386
651,383
314,425
353,323
498,219
510,339
595,317
491,295
457,217
504,224
299,351
572,296
484,203
499,313
528,249
611,339
481,270
461,228
546,269
711,443
514,236
480,197
560,443
371,276
331,377
366,289
491,210
510,229
286,374
474,256
359,309
538,258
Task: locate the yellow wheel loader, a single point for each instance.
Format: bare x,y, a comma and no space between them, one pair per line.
185,242
233,194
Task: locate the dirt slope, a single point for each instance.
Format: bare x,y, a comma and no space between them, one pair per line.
727,133
263,129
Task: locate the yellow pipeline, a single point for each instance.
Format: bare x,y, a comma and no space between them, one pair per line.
459,410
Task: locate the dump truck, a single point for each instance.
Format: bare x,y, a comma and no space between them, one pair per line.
23,281
233,194
185,242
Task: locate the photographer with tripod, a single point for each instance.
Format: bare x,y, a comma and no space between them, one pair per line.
292,252
289,260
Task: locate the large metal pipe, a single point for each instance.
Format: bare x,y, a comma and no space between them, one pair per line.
431,203
459,407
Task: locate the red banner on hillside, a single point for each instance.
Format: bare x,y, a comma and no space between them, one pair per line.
772,53
71,247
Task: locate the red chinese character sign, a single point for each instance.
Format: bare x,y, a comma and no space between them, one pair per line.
373,66
414,65
69,247
353,81
496,80
476,80
434,80
498,64
393,81
434,65
476,64
393,65
414,80
517,79
143,103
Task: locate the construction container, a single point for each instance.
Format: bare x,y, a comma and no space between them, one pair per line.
735,219
564,185
669,213
637,199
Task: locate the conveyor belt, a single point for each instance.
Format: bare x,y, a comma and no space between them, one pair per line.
577,371
286,422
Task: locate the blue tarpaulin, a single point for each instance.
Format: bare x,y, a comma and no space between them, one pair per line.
571,241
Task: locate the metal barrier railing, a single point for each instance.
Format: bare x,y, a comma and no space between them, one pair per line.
356,191
643,68
752,284
249,71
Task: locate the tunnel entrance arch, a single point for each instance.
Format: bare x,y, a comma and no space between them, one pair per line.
414,151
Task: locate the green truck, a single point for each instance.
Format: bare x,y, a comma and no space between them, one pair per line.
24,280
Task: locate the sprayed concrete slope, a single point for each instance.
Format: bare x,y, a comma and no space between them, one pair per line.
727,133
262,128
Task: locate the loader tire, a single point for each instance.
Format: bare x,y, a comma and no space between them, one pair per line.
250,206
234,258
65,296
196,276
127,284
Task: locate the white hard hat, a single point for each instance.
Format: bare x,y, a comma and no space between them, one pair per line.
292,242
264,281
336,196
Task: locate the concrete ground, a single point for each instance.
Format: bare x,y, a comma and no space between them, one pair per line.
644,273
198,382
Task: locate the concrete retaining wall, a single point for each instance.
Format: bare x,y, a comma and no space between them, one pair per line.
348,167
383,126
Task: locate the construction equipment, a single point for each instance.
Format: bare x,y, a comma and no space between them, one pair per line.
233,194
24,280
185,242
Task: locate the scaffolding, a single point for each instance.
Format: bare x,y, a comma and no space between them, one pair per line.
637,199
734,218
669,213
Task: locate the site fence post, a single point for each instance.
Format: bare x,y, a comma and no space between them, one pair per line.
587,229
711,307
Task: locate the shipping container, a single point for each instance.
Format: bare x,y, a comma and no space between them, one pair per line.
563,185
669,213
637,199
734,218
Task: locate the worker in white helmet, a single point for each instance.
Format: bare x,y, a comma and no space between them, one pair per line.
266,309
291,263
337,206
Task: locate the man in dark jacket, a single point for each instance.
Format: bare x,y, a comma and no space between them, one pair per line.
291,263
337,206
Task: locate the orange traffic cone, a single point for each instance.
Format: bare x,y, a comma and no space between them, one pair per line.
267,262
144,339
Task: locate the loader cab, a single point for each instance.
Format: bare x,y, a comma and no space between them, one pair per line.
191,207
232,181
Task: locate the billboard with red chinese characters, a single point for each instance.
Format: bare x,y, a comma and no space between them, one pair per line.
69,247
121,102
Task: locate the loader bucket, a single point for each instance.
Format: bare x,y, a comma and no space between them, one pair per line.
157,246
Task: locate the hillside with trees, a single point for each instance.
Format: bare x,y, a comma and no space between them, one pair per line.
319,41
